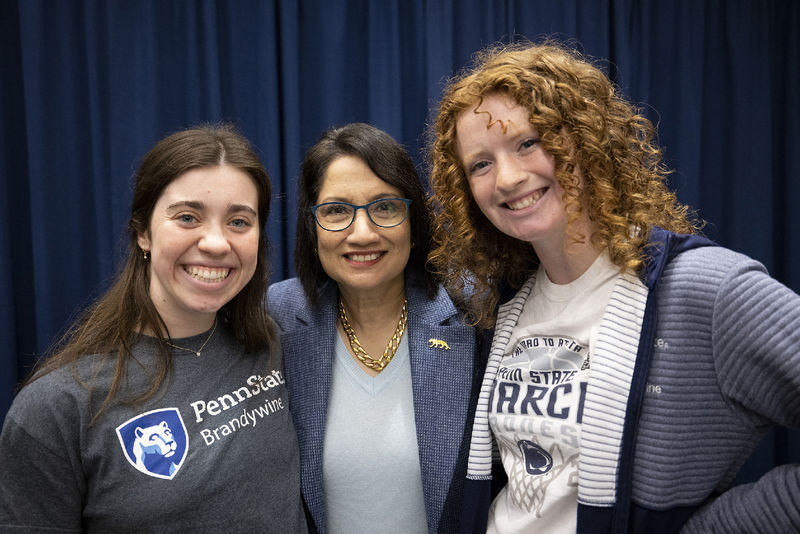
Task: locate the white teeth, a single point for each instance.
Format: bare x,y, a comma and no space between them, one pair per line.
207,275
527,201
364,257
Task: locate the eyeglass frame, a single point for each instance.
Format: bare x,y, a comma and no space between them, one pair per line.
407,201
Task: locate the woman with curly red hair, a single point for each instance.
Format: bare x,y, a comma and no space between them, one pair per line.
635,364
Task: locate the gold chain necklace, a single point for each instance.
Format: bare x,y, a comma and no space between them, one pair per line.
198,351
359,351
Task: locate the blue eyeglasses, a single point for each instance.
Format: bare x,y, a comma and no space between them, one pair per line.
338,216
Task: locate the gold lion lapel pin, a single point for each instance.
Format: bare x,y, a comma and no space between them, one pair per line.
438,344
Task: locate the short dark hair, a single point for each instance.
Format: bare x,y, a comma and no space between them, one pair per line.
391,163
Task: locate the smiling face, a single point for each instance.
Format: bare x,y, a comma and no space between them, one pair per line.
203,242
512,178
364,257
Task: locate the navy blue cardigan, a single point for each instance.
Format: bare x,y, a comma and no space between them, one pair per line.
624,516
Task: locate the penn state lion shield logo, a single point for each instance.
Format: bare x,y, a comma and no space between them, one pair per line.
155,442
537,460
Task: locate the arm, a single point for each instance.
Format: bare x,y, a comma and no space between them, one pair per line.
768,505
756,340
38,488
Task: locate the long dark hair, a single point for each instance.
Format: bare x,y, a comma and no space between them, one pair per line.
391,163
109,327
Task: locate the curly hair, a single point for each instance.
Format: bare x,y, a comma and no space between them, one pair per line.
606,161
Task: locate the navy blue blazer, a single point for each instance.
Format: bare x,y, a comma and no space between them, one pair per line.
445,386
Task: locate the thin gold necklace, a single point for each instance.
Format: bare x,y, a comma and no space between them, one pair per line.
359,351
198,351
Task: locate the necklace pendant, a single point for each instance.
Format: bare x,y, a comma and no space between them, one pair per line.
196,352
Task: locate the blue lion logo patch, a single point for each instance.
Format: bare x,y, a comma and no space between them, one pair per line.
537,460
156,442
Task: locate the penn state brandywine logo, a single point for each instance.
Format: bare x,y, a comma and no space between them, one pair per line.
537,460
155,442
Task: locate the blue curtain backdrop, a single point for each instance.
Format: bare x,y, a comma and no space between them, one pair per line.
87,86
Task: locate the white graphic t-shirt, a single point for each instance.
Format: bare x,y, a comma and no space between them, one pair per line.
536,407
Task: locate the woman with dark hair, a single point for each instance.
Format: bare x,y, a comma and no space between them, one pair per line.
382,372
164,406
635,364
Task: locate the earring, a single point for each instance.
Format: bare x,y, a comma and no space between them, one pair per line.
145,254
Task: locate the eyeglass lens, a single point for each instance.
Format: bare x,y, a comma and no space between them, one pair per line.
384,212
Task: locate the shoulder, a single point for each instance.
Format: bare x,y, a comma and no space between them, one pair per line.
52,403
285,299
286,291
714,256
723,278
693,255
70,379
712,266
438,309
288,305
42,391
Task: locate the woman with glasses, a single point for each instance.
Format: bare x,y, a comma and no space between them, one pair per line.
381,369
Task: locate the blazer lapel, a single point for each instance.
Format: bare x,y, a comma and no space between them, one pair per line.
442,360
308,357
